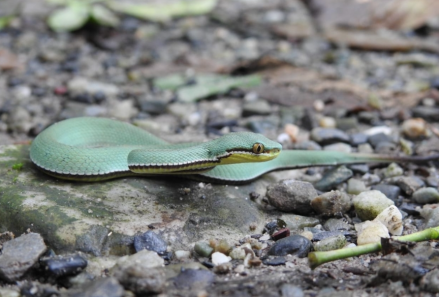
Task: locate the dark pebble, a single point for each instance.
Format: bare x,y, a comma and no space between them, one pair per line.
154,107
277,261
333,178
274,225
208,264
324,136
150,241
308,146
222,124
409,184
194,279
410,208
99,97
294,245
309,119
14,81
69,66
282,233
368,117
376,139
261,126
63,265
39,91
392,192
83,98
385,148
430,114
358,138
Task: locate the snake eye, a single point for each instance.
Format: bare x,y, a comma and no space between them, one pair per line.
258,148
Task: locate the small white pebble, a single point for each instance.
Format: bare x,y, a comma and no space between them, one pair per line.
265,237
179,255
391,217
283,138
376,130
219,258
319,105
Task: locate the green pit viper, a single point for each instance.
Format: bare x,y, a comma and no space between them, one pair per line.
96,149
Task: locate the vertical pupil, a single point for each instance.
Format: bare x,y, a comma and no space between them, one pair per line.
259,148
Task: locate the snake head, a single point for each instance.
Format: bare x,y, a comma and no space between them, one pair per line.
244,147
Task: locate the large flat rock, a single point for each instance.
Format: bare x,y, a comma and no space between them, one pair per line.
102,218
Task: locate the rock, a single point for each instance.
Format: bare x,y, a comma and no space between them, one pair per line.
338,147
365,148
336,225
369,204
92,241
194,279
289,290
331,203
359,168
123,110
431,217
392,192
409,184
430,114
370,232
426,195
330,243
80,85
326,136
276,261
346,123
258,107
64,265
20,254
294,245
291,196
282,233
391,217
333,177
141,273
327,122
358,138
355,186
219,258
5,292
430,281
308,146
415,128
393,170
181,255
378,138
203,249
108,287
150,241
296,222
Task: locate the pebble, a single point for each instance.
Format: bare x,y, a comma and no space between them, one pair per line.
376,139
359,168
289,290
107,286
194,279
346,123
355,186
292,131
294,245
64,265
141,273
333,178
333,224
385,148
338,147
430,114
203,249
81,85
391,217
331,203
123,110
325,136
330,243
358,138
409,184
19,255
365,148
258,107
150,241
282,233
291,196
431,217
219,258
327,122
393,170
181,255
426,195
276,261
392,192
368,205
415,128
297,222
308,146
430,281
370,232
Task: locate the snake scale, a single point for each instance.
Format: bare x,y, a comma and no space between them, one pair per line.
96,149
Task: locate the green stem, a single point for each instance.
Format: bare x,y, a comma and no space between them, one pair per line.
318,258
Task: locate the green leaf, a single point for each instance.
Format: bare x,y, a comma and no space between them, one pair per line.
164,12
170,82
4,21
104,16
70,18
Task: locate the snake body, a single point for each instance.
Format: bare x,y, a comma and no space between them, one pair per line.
96,149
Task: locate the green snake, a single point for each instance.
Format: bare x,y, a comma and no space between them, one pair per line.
96,149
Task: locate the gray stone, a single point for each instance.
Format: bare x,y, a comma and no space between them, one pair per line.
355,186
339,147
431,218
336,224
194,279
331,203
358,138
369,204
150,241
289,290
392,192
330,243
326,136
308,146
409,184
292,196
297,222
430,281
203,249
426,112
293,245
20,254
378,138
108,287
333,178
258,107
426,195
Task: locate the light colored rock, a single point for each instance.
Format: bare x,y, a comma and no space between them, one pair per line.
370,232
219,258
371,203
391,217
